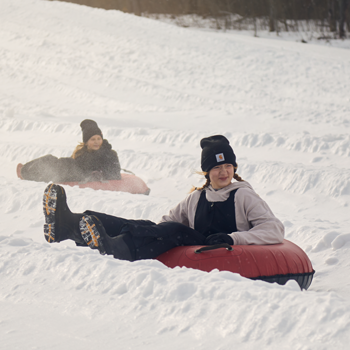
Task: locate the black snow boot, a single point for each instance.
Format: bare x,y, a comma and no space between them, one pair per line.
122,247
95,236
92,231
60,222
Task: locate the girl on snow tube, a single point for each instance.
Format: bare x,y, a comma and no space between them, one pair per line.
224,210
92,160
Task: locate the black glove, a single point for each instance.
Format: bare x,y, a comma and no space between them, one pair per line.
218,238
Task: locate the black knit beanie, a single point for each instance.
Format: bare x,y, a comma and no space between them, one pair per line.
89,128
216,150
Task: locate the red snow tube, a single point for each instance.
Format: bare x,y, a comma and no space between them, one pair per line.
128,183
271,263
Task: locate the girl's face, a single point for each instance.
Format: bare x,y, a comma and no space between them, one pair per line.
94,143
220,176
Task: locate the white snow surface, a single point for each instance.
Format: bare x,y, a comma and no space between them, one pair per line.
155,90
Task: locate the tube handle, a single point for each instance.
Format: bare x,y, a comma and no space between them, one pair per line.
213,247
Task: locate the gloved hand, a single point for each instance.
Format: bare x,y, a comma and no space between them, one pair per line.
218,238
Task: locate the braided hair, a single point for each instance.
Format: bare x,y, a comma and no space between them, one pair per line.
207,182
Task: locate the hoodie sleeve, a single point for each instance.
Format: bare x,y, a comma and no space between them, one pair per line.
184,212
178,213
256,223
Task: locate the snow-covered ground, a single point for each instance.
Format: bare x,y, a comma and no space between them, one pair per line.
155,90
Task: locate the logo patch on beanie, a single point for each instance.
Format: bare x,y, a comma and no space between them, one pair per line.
220,157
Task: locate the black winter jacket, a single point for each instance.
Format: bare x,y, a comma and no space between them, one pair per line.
103,163
99,165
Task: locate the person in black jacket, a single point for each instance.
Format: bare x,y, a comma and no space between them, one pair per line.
94,156
92,160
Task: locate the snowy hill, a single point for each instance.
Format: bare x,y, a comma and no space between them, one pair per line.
156,90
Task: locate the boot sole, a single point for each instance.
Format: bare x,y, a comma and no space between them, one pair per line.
49,209
90,232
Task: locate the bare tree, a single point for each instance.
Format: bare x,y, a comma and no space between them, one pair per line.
343,4
136,7
273,15
272,18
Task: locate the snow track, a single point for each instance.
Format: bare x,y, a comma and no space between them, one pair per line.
111,287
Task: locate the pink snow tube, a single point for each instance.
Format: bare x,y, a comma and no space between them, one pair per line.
128,183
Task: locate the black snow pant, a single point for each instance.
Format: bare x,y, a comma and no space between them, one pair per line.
145,239
50,168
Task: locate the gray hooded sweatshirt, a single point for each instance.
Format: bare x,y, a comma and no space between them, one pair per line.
256,224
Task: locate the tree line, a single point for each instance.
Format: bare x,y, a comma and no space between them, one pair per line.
325,16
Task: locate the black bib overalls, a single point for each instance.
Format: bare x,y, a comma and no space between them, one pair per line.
147,240
215,217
